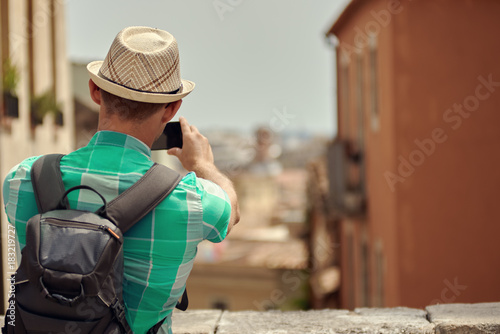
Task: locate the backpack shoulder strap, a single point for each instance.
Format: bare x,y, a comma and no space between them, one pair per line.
138,200
47,182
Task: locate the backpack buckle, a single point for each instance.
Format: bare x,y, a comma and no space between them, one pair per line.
118,310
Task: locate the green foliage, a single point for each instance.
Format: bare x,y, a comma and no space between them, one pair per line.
44,104
10,77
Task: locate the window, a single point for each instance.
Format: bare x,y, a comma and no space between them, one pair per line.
4,13
53,37
374,109
349,265
344,98
364,263
30,33
360,147
379,275
4,26
360,105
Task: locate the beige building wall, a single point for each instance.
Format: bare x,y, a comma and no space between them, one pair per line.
44,68
240,287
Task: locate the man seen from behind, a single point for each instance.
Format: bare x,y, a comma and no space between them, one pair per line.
139,89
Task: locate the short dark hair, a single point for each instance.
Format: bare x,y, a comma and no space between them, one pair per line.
129,110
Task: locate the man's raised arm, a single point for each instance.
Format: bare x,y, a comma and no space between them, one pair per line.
196,156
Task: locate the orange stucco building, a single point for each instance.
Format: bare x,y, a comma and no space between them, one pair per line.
415,167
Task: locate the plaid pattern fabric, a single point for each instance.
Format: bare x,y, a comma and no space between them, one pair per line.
160,249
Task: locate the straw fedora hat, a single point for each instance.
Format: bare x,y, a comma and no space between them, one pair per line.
142,65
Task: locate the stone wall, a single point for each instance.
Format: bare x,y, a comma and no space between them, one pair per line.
481,318
439,319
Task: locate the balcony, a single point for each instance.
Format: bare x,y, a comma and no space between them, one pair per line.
347,178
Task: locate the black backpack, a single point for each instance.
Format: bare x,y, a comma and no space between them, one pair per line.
71,272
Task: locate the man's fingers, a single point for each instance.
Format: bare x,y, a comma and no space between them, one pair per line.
176,151
185,127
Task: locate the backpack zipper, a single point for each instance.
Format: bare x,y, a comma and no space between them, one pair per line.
68,223
110,231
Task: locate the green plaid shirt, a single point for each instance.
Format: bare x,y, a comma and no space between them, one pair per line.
160,249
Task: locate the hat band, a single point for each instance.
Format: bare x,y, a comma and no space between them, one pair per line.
178,90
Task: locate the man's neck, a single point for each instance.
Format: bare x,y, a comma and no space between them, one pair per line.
146,131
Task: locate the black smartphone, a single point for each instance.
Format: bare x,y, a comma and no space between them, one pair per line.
171,137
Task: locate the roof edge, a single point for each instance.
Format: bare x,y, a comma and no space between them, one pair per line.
344,17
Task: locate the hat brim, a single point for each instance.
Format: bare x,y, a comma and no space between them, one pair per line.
135,95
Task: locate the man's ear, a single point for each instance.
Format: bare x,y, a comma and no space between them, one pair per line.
95,92
170,110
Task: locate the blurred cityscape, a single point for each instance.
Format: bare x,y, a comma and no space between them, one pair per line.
263,264
398,208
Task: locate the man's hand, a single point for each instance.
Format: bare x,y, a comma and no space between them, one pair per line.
196,152
196,156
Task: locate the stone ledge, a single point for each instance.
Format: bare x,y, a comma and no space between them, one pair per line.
196,321
465,318
381,321
439,319
483,318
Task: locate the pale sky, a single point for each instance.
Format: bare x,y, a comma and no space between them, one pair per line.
251,60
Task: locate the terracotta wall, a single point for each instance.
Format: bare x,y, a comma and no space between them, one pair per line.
431,172
444,53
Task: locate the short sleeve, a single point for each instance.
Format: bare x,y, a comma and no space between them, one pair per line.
6,187
19,199
216,210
